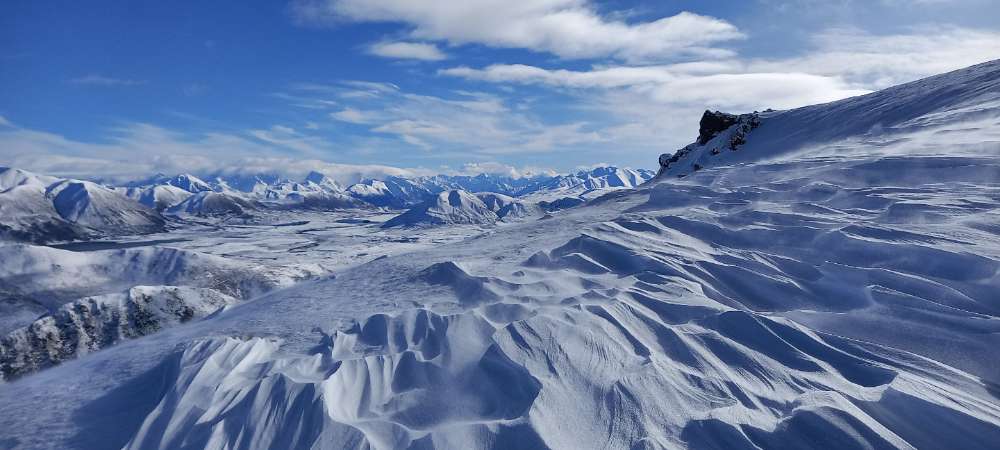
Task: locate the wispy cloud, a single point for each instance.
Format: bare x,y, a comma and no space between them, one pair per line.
566,28
136,150
878,61
842,63
472,124
407,50
101,80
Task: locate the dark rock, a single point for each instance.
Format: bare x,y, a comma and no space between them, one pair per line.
713,123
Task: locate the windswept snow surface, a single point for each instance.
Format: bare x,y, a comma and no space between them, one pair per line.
842,297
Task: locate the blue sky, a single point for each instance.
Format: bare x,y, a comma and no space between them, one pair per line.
121,89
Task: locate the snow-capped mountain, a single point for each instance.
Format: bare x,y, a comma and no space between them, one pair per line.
394,192
461,207
317,191
599,179
401,192
184,181
158,197
825,277
211,203
494,201
239,195
448,208
41,208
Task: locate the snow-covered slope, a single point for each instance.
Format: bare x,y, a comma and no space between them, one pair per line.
41,209
926,107
448,208
843,297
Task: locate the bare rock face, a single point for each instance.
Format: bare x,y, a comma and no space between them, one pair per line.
712,123
93,323
718,131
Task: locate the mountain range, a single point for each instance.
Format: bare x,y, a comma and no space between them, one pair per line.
40,208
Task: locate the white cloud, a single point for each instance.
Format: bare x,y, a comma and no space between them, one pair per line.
566,28
680,84
407,50
879,61
497,168
842,63
355,116
466,124
101,80
137,150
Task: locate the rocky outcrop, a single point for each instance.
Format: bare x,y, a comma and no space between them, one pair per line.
93,323
712,123
717,132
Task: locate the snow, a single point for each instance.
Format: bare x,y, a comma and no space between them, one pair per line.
812,289
41,209
46,278
968,97
158,197
210,203
449,207
93,323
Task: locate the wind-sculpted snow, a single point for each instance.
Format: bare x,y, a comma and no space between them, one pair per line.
531,362
787,312
388,382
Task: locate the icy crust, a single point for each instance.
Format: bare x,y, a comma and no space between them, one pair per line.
93,323
601,369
